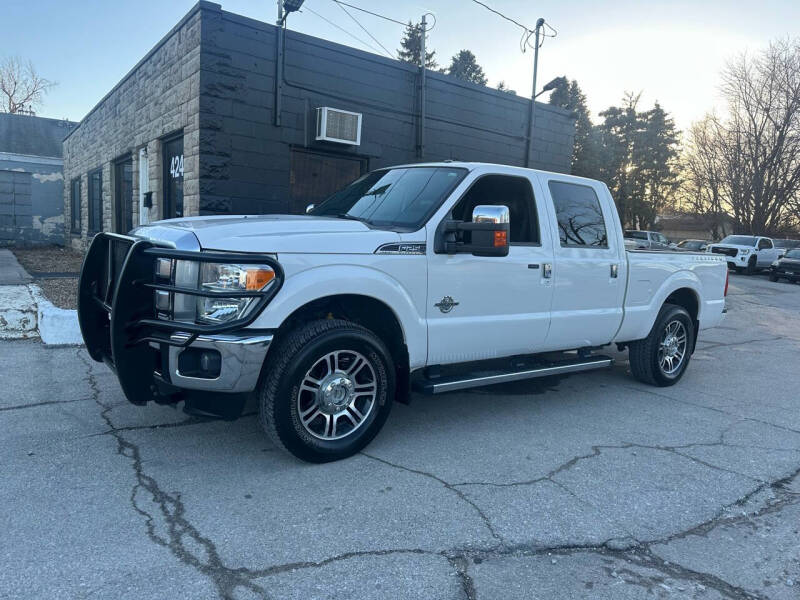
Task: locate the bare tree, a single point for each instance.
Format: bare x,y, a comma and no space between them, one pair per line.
21,87
748,163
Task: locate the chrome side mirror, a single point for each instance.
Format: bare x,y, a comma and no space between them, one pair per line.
309,208
486,213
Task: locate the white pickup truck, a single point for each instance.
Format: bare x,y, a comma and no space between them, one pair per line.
436,277
747,253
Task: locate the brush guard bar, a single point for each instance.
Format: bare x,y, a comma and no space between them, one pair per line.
117,315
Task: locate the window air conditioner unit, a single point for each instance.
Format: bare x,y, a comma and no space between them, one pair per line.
340,126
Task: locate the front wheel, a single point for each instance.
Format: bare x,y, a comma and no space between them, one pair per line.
662,357
327,390
773,277
751,266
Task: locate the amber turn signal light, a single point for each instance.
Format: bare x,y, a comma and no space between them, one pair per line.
258,278
500,239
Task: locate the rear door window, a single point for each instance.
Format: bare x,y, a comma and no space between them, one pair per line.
579,215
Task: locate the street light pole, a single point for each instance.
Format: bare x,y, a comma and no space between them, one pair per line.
421,145
532,113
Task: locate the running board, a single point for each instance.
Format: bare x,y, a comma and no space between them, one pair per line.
439,385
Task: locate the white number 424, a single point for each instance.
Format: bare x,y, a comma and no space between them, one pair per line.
176,166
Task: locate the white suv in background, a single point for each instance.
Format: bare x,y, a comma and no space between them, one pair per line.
747,252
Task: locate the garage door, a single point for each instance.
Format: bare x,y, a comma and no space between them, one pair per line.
315,176
15,204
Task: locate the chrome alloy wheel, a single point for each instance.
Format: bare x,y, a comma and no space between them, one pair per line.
672,348
337,395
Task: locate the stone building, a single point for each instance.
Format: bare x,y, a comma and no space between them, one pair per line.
193,128
31,179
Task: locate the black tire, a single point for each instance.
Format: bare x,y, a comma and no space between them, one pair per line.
644,354
288,365
773,277
751,266
739,270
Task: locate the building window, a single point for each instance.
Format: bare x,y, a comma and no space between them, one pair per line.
580,218
75,205
96,201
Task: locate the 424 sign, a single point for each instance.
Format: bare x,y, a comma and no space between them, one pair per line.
176,166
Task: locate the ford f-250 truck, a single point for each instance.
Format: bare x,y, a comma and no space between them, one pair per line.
435,277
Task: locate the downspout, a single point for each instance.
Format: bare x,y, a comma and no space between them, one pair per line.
421,134
279,66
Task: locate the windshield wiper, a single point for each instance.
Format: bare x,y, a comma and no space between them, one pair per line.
349,217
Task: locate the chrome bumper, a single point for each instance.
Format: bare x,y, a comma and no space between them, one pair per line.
242,358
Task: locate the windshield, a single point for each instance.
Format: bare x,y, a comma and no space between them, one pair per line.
397,198
636,235
740,240
793,254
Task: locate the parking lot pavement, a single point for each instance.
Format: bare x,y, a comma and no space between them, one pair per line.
591,486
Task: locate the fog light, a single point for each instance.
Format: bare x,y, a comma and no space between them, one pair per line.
164,268
162,301
200,362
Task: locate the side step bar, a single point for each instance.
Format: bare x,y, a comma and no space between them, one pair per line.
439,385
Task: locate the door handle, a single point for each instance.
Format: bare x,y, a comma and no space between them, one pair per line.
614,270
533,266
547,271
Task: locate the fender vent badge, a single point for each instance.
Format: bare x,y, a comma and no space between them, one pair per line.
446,304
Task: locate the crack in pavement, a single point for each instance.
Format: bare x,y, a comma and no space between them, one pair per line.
714,345
45,403
179,529
447,486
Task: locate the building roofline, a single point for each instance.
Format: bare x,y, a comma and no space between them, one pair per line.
201,5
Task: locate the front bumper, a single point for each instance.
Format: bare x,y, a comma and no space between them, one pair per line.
120,325
240,359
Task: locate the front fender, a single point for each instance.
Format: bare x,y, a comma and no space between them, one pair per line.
640,317
331,280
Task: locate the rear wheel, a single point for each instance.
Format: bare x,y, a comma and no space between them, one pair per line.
327,390
662,357
773,277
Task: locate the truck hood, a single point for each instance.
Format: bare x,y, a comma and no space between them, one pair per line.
281,233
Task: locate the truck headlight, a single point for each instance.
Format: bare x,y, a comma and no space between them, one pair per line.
743,252
217,277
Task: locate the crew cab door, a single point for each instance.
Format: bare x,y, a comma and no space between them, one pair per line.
767,253
482,307
589,269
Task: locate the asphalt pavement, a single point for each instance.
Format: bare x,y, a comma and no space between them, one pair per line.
588,486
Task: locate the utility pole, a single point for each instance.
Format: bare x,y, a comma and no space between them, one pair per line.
421,145
532,113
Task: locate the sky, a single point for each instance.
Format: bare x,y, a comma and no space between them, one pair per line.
669,51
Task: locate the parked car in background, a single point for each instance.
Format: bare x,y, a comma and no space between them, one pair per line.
649,240
785,244
747,253
692,245
787,266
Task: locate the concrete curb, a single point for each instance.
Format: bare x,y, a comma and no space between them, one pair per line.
57,326
18,315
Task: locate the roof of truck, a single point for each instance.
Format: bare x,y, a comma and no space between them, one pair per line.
480,165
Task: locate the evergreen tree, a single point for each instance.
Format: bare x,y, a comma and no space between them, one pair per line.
465,66
568,94
411,47
502,87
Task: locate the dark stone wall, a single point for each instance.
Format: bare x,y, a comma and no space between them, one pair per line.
245,159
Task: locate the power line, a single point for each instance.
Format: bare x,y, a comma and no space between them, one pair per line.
389,54
369,12
497,12
342,29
